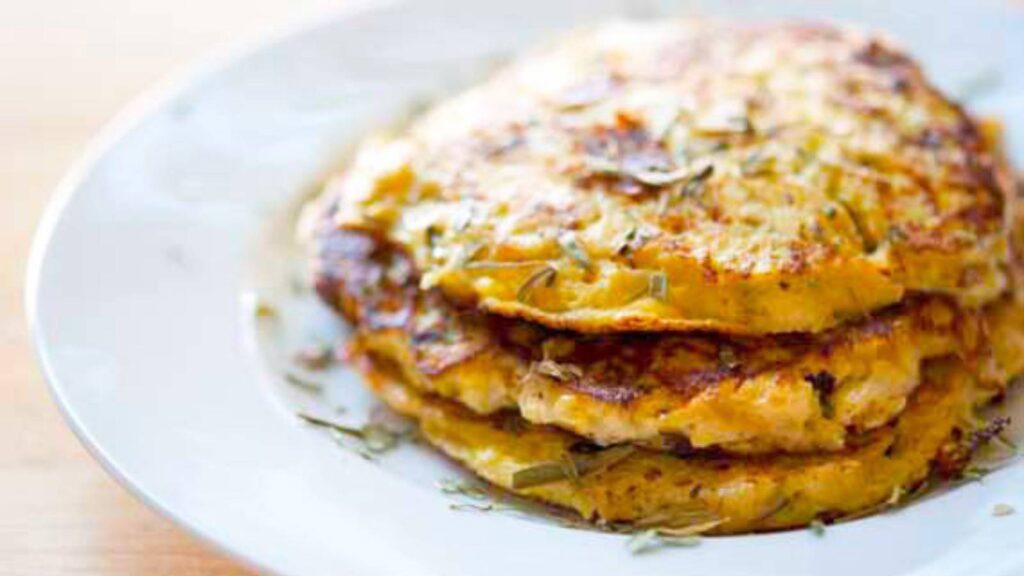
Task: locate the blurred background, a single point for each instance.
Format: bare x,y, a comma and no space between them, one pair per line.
66,67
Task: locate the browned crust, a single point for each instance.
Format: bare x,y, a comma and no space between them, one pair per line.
376,288
930,219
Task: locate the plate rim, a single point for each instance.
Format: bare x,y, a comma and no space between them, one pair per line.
129,116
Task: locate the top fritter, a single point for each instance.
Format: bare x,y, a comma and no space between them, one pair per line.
692,175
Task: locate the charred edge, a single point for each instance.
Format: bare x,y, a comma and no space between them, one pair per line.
612,393
955,456
824,384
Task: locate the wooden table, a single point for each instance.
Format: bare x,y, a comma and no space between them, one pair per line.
65,69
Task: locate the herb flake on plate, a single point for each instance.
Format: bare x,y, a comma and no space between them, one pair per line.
1002,510
650,540
314,357
374,438
303,383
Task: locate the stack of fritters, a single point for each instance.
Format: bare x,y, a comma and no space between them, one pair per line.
686,273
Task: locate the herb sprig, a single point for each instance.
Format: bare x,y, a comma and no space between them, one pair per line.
649,540
660,537
570,467
314,357
1002,510
560,371
374,438
568,243
303,383
544,276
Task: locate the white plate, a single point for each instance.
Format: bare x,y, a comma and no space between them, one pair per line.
145,266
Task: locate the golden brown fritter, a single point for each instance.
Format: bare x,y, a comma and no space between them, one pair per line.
680,392
648,488
692,175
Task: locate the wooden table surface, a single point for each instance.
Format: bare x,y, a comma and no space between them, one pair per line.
65,68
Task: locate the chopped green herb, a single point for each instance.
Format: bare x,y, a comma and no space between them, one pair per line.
893,234
544,276
558,371
678,516
375,438
1008,444
572,472
495,265
634,238
817,527
539,475
459,488
433,233
464,506
641,293
664,200
570,467
468,253
804,156
783,502
627,239
315,357
756,164
692,529
378,439
657,286
480,500
300,382
649,540
603,460
974,473
463,220
601,166
896,496
990,433
725,119
824,384
1002,510
656,178
643,541
317,421
574,251
727,357
648,176
397,424
696,182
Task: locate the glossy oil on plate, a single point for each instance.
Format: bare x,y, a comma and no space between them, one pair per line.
161,244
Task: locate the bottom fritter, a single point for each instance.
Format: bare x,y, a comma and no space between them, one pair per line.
722,495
